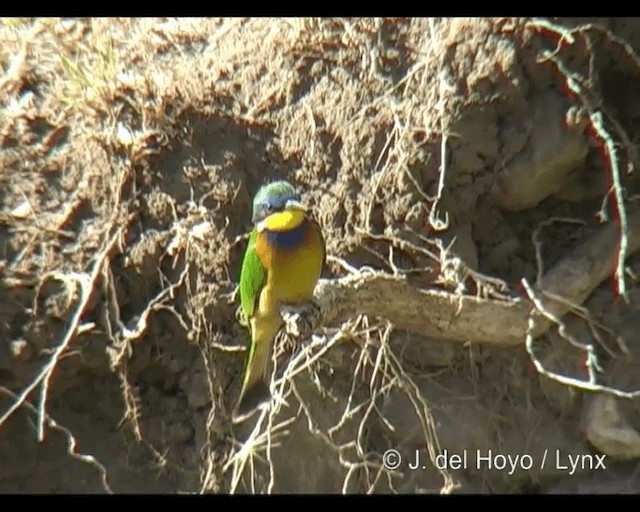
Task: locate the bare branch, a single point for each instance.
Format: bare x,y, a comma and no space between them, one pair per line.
447,316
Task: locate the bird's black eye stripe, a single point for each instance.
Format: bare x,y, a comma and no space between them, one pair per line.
270,207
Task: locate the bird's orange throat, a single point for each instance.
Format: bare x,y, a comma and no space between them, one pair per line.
286,220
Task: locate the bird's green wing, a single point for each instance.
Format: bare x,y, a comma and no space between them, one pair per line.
253,277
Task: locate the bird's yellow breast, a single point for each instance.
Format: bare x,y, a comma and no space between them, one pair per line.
292,272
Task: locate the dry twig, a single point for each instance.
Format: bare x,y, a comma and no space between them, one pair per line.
86,283
71,440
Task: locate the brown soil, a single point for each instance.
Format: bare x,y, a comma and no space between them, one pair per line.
130,150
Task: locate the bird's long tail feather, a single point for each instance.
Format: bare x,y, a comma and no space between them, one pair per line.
251,400
255,389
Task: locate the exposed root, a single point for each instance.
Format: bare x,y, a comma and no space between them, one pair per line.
591,359
71,440
583,88
86,284
377,365
442,315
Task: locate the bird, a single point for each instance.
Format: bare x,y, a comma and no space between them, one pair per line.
282,264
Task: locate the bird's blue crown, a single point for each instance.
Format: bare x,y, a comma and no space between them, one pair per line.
271,198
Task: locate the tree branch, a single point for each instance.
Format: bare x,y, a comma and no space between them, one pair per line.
446,316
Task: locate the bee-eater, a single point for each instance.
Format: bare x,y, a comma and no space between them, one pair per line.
282,264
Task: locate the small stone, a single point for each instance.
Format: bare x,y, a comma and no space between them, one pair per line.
21,350
22,211
609,431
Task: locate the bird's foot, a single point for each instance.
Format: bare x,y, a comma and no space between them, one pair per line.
301,319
